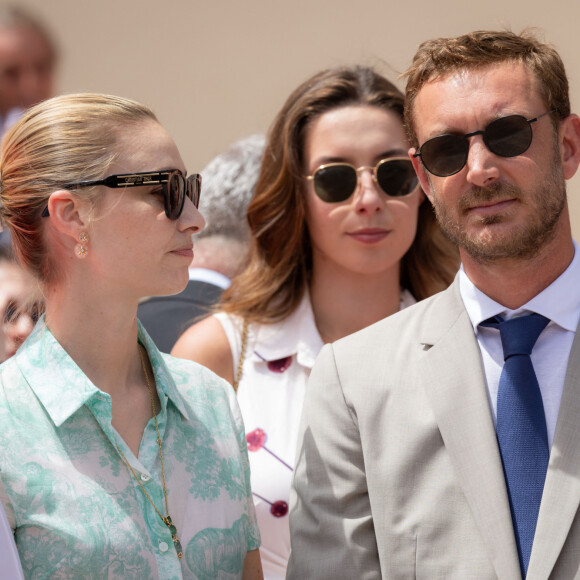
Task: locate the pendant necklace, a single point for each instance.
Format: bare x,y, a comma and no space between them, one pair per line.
167,519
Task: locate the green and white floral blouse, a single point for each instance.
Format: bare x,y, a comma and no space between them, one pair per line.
76,509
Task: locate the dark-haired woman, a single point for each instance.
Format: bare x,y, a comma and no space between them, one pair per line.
342,237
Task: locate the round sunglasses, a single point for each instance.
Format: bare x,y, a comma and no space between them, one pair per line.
176,187
336,182
447,154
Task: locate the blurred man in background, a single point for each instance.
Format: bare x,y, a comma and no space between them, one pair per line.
27,64
28,58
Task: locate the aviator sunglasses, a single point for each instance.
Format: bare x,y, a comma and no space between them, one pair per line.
447,154
336,182
175,187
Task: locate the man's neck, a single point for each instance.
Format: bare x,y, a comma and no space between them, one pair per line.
513,282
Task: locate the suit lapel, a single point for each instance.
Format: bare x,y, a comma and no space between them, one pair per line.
458,397
561,496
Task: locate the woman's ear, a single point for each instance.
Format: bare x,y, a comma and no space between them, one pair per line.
68,214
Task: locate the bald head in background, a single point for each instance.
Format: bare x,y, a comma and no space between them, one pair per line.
27,63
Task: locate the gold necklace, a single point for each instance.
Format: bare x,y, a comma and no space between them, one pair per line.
167,519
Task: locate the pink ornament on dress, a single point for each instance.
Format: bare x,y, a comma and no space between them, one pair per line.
279,509
256,440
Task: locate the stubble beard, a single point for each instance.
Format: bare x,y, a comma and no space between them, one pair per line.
486,245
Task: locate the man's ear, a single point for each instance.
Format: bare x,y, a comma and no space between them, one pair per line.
569,138
68,213
421,173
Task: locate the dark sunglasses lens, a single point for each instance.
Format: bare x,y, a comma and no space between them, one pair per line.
508,136
194,188
445,155
396,177
175,195
335,183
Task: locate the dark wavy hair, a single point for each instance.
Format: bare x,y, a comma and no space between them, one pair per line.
279,265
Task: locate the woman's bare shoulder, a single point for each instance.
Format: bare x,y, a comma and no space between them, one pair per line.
206,343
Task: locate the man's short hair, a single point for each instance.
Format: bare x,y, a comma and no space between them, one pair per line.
228,184
440,57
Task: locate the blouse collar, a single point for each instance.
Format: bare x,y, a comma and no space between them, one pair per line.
63,388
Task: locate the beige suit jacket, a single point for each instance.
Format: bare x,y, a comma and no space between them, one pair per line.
399,473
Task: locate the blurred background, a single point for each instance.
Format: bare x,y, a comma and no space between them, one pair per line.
218,70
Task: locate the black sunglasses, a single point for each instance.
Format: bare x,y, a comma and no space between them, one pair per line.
509,136
336,182
175,187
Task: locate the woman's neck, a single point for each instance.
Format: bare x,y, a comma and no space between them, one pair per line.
98,332
97,326
343,302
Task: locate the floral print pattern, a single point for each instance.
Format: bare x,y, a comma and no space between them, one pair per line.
76,509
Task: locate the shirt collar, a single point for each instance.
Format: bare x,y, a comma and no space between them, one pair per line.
560,301
298,335
53,375
295,335
63,388
163,378
210,276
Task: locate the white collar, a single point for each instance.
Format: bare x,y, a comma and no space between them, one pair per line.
295,335
298,335
560,301
210,276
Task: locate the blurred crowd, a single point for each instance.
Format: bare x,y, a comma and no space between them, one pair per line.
179,397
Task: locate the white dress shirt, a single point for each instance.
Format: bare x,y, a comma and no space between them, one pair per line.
560,303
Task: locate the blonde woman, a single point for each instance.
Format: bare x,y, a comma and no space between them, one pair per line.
116,461
342,237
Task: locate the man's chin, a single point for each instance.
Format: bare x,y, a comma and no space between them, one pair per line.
495,243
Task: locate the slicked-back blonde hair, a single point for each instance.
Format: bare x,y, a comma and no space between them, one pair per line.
440,57
63,140
279,265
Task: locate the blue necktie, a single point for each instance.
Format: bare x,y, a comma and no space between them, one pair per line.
521,427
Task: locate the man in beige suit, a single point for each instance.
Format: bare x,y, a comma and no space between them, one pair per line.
414,428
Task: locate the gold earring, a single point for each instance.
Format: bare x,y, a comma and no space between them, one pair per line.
81,249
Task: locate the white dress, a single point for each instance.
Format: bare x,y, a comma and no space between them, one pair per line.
277,364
